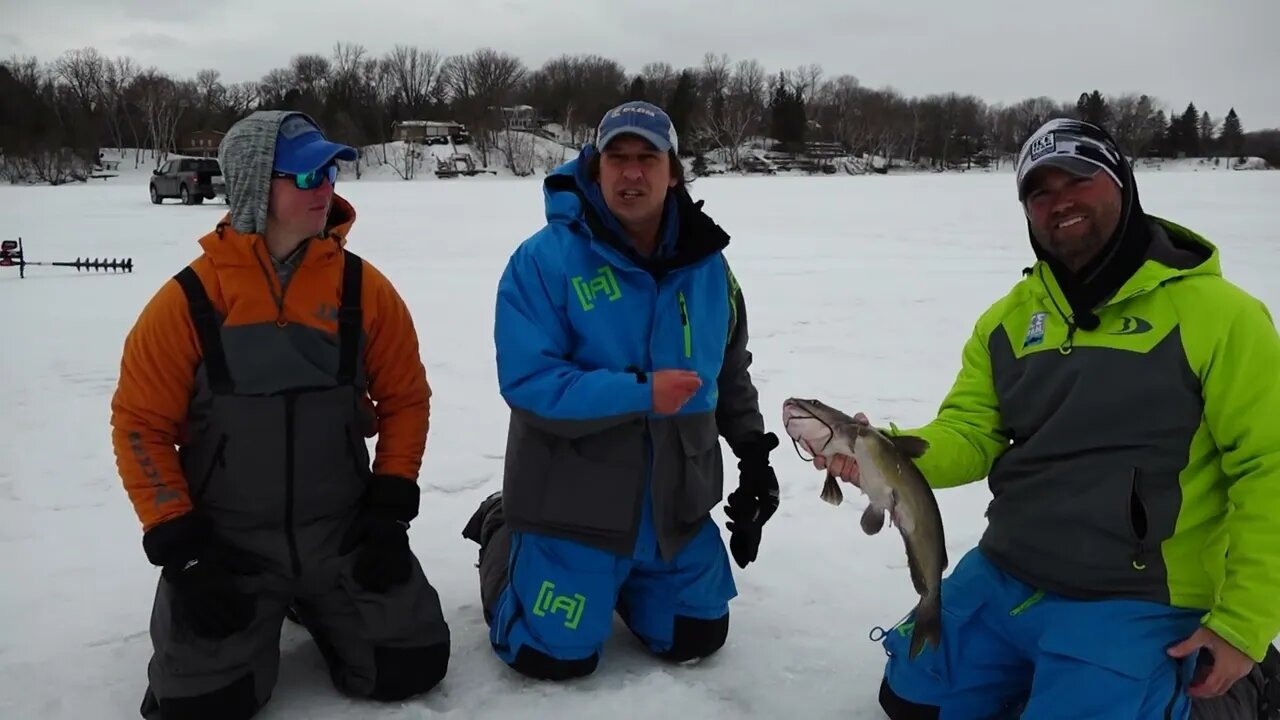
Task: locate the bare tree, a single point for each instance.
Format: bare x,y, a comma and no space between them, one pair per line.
82,70
576,90
736,110
517,151
660,78
807,78
347,58
1131,123
117,76
311,73
163,104
713,78
57,167
838,105
274,87
412,75
210,91
241,97
479,85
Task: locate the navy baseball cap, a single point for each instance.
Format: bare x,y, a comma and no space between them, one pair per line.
639,118
1078,147
301,147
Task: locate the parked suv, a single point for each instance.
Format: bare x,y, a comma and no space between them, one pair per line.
193,180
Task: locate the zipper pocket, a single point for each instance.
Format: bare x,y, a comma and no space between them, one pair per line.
684,323
1138,520
219,460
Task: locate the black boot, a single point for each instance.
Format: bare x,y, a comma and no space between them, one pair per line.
485,521
486,529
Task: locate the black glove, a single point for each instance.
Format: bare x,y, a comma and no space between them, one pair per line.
205,596
755,500
380,534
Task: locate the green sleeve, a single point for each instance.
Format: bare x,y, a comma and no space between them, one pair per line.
966,438
1240,376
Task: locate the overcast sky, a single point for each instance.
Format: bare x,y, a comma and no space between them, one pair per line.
1216,53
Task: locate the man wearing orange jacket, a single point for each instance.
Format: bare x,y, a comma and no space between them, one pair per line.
247,389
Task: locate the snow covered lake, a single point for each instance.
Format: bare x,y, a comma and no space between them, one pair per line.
860,291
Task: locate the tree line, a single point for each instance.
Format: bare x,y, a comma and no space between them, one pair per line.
83,100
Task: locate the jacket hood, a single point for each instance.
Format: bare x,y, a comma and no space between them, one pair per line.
1174,252
574,200
247,156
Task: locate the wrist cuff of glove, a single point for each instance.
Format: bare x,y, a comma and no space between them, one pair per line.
393,497
757,448
176,542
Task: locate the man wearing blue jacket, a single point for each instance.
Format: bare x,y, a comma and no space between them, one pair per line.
621,339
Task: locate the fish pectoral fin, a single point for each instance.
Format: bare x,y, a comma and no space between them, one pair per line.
831,490
910,445
872,520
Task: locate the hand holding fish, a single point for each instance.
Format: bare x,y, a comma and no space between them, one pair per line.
842,466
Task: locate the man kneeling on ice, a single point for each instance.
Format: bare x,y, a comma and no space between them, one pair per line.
623,353
247,388
1122,400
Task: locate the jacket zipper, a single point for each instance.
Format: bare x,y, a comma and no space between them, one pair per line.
289,412
271,277
684,322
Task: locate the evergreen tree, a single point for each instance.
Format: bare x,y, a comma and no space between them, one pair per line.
1189,131
638,90
1092,108
1232,137
1206,134
1170,135
787,120
680,109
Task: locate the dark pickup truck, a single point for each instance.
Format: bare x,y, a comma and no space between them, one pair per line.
192,180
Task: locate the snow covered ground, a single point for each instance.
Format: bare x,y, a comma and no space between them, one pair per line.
861,291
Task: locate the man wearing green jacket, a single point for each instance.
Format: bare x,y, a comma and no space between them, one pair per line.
1123,401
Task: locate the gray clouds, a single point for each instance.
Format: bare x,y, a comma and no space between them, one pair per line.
1216,54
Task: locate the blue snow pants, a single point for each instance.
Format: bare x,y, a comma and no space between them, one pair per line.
560,596
1007,646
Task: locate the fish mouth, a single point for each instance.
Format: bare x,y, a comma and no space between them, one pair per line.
795,413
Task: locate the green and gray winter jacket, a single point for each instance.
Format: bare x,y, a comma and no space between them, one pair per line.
1140,459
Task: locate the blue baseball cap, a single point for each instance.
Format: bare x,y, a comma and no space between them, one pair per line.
638,118
301,147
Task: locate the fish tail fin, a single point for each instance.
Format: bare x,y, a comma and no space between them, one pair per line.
831,491
928,625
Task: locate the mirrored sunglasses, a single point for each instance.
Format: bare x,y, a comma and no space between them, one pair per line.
312,179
